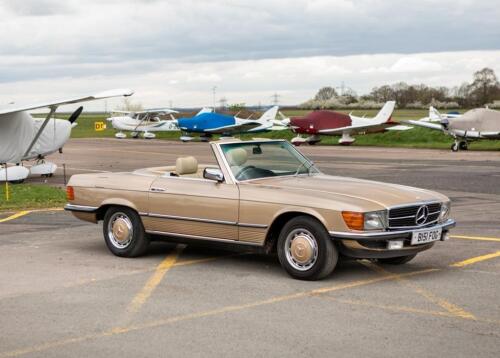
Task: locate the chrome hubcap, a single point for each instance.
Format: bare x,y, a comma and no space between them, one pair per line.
301,249
120,230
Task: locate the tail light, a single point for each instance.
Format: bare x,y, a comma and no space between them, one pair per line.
70,193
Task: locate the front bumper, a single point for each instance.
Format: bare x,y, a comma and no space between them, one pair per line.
374,245
385,235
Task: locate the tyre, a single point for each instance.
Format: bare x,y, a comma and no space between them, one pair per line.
454,147
124,233
463,146
400,260
305,250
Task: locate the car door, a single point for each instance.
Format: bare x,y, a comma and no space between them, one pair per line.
193,207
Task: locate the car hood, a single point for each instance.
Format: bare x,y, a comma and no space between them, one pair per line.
341,188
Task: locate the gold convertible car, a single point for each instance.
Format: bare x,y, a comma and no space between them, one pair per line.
263,194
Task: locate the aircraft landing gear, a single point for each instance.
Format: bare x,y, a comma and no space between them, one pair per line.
134,135
463,145
454,147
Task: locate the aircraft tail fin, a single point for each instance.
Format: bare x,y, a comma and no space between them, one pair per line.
205,110
434,114
384,115
269,115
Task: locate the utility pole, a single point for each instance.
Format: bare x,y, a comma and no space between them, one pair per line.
275,97
223,103
214,88
342,88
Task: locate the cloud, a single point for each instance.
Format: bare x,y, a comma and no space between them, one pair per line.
248,48
255,81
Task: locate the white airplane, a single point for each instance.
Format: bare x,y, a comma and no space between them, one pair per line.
476,124
24,138
146,121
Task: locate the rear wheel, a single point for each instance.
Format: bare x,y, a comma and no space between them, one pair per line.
305,250
124,233
400,260
463,145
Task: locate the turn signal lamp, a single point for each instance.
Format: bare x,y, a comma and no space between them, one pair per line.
354,220
70,193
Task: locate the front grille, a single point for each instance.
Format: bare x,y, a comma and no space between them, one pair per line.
404,217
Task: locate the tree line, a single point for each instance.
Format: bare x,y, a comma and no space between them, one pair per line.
483,90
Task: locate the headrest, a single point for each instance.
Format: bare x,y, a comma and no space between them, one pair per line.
186,165
237,156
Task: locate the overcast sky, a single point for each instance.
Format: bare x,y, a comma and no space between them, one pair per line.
178,50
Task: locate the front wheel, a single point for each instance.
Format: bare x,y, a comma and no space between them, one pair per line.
305,250
124,233
400,260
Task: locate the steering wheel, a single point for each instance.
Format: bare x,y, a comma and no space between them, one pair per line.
242,171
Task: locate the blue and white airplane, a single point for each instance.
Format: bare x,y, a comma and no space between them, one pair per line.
215,123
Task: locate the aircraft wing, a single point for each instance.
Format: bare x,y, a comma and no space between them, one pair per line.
492,135
398,128
425,124
156,110
238,127
101,95
356,129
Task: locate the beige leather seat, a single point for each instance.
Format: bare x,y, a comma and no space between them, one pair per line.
236,158
186,166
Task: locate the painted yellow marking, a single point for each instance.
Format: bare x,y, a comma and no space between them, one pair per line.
479,238
476,259
390,307
15,216
448,306
227,309
153,281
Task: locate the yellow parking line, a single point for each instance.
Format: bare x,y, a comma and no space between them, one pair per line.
390,307
476,259
479,238
153,281
15,216
448,306
227,309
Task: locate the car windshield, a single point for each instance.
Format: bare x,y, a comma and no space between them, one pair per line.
265,159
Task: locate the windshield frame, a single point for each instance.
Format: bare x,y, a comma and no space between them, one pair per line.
311,166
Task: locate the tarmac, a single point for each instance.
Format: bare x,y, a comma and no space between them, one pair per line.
63,294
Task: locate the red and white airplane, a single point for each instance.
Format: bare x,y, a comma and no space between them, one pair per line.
318,123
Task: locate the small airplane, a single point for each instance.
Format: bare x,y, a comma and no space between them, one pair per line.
476,124
24,138
318,123
146,121
208,124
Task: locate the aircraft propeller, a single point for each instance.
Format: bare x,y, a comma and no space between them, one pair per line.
74,116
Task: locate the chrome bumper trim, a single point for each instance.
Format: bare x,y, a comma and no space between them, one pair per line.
383,235
80,208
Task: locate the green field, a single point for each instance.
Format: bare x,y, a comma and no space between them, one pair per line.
29,196
414,138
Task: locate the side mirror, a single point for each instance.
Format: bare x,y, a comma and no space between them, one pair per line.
213,174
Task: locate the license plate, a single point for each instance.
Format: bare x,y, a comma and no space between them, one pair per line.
425,236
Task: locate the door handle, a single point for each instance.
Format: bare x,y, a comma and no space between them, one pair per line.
156,189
